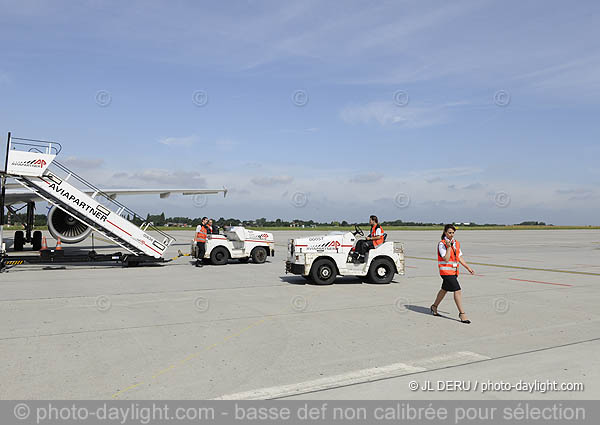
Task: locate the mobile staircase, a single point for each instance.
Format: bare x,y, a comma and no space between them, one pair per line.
32,164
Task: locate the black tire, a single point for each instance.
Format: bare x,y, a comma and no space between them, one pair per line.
259,255
19,241
219,256
36,240
323,272
244,260
382,271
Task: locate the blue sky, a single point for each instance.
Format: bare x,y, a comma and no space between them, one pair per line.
432,111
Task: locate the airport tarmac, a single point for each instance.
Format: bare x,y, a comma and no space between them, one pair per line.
251,331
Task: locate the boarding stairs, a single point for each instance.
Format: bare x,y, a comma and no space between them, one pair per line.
32,163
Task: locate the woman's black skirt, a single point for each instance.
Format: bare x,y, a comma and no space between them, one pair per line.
450,283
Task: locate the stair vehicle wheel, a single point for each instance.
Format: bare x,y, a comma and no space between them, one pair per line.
19,240
323,272
381,271
36,240
219,256
259,255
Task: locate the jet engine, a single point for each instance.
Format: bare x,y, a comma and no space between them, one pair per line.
66,227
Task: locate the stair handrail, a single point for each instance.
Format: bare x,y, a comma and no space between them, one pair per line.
54,148
109,198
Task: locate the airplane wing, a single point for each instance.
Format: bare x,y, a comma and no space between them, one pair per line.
163,193
11,198
21,198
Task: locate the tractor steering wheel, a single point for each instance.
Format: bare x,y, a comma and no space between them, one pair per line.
358,231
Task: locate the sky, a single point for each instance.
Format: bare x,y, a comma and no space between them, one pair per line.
462,111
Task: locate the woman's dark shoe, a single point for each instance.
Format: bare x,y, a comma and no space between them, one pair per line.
463,321
434,311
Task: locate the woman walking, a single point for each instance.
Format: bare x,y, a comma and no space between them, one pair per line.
449,256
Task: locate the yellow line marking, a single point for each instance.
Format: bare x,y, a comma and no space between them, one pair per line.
115,395
518,267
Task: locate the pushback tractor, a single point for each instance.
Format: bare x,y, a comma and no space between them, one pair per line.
321,259
239,243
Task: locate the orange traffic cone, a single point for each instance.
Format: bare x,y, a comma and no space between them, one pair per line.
58,245
44,244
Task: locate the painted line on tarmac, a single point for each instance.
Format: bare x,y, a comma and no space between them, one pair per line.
356,377
518,267
439,367
539,281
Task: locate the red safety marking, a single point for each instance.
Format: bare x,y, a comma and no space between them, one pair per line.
108,221
252,240
537,281
158,252
347,246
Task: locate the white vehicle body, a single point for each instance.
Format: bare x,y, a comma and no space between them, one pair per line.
239,243
322,258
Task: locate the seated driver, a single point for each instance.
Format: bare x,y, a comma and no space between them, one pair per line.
374,239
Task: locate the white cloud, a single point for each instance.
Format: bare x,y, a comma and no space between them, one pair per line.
474,186
366,178
226,145
178,141
387,113
82,163
579,194
329,195
272,181
166,177
577,73
437,174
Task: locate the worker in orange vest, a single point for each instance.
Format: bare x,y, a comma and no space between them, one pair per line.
372,241
449,257
201,238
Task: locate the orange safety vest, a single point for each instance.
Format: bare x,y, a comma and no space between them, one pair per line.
450,267
379,240
201,235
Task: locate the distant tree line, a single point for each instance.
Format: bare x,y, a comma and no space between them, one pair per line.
162,220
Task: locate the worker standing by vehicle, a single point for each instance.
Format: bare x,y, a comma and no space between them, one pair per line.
201,237
449,256
374,239
213,227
